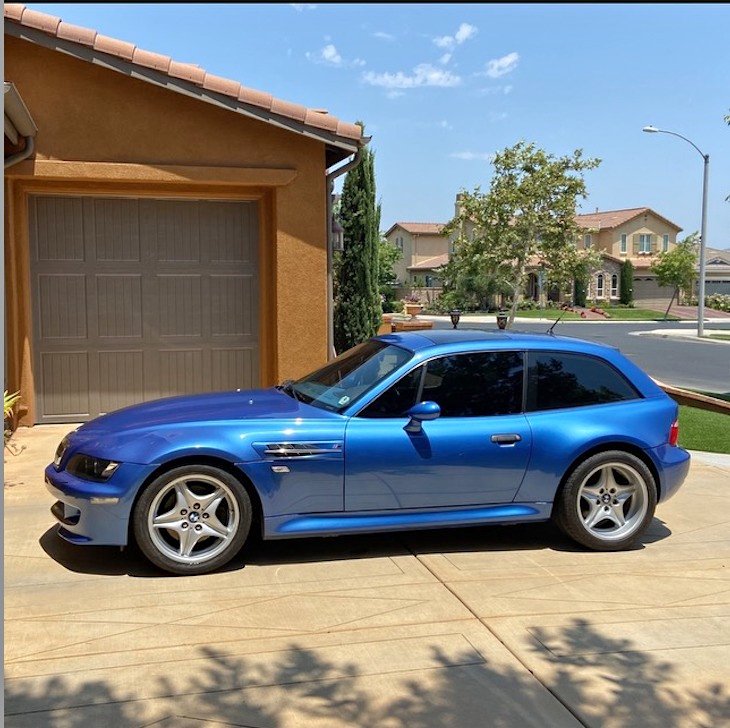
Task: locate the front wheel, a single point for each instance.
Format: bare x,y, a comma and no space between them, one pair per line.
607,502
192,519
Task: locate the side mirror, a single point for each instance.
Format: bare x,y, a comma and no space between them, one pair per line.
421,412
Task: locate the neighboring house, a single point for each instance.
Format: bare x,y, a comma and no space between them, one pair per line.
637,234
717,271
167,233
423,249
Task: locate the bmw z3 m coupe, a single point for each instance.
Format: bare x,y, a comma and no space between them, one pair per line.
405,431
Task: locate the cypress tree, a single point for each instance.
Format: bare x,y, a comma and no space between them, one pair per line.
357,310
626,283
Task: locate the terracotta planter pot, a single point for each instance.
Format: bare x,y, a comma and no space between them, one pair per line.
413,309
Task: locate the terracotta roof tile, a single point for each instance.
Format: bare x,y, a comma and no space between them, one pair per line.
422,228
431,263
40,21
156,61
255,98
53,26
114,47
187,72
77,34
607,219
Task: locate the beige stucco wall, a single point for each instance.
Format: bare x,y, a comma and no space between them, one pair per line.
609,241
429,246
89,114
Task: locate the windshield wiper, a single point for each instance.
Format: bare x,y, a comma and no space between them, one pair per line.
287,386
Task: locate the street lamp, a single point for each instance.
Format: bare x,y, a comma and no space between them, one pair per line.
703,232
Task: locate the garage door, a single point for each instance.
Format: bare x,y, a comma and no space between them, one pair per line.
649,294
136,299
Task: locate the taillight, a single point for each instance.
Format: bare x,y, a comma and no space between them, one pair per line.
674,433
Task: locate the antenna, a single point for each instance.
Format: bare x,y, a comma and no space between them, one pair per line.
557,321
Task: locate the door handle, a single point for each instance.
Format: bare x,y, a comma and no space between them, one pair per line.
507,439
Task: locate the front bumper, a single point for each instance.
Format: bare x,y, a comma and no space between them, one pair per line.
673,466
95,513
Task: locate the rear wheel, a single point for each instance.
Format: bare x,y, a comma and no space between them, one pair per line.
607,502
192,519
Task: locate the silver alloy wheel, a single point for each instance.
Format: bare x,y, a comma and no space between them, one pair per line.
612,501
193,518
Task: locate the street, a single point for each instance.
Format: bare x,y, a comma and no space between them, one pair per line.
691,364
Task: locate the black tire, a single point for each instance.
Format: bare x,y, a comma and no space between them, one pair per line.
210,552
571,510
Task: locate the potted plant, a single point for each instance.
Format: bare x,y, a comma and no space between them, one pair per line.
502,317
412,304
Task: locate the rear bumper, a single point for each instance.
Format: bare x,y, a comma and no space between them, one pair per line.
95,513
673,466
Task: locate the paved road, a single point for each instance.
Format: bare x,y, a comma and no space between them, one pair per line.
692,364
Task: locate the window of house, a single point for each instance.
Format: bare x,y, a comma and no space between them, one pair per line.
644,243
559,379
614,286
623,243
399,243
482,384
599,286
429,281
665,242
587,240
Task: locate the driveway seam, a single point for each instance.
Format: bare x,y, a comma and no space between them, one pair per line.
498,638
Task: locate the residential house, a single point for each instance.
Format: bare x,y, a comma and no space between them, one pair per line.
165,229
423,249
717,271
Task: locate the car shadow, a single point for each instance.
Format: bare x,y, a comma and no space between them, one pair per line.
113,561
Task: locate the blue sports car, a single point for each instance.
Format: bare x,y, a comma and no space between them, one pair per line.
404,431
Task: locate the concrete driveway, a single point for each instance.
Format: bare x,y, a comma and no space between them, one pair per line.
494,626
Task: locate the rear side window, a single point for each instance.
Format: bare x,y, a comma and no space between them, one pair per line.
482,384
559,379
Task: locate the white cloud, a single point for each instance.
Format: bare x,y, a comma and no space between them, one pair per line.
330,56
493,90
443,124
301,7
394,94
423,74
498,67
382,35
445,58
471,156
464,32
498,115
506,89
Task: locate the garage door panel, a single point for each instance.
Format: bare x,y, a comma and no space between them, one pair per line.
116,230
119,305
232,368
135,299
121,379
62,306
60,219
65,381
180,305
232,305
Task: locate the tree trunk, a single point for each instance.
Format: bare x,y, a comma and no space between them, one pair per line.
671,301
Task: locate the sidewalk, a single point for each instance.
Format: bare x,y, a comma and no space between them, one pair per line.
504,626
686,334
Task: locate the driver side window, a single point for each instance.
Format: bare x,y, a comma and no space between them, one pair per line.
397,399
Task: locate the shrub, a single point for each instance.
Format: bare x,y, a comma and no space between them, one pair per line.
626,283
718,301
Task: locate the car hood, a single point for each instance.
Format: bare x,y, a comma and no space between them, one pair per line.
239,406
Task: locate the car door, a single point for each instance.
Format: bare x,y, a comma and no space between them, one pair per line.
475,453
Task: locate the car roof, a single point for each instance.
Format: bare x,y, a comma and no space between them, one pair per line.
472,338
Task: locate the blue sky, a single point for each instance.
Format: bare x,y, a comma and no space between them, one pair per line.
441,87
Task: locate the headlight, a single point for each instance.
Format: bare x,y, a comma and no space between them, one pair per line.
91,468
60,452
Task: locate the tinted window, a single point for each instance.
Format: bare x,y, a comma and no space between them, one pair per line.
475,385
557,379
398,398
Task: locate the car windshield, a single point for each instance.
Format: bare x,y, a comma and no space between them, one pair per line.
348,377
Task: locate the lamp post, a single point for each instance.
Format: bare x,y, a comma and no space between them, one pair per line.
703,232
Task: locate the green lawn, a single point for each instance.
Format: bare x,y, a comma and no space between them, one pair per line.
723,337
617,314
702,430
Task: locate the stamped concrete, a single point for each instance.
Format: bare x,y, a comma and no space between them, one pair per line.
498,626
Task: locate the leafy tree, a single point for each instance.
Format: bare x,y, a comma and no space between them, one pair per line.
388,256
527,218
357,310
677,267
626,283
